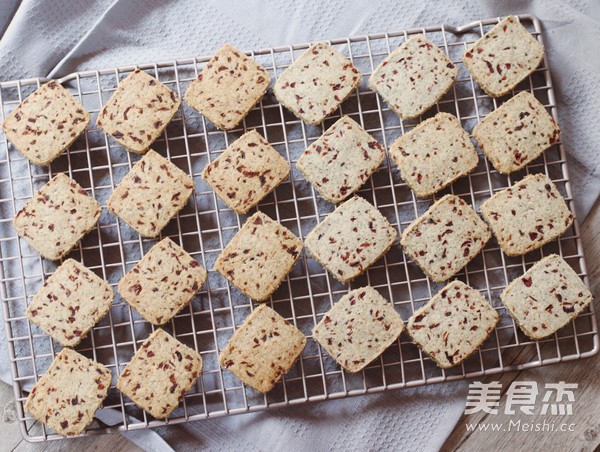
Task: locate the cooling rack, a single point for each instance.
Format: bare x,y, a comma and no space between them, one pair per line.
205,225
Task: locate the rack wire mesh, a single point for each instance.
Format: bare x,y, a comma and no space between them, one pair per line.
205,225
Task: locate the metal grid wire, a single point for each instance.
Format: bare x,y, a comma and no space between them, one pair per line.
205,225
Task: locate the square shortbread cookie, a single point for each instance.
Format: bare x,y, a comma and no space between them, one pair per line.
247,171
70,303
163,282
413,77
151,194
160,373
434,154
341,160
138,111
516,133
547,297
503,57
445,238
68,395
527,215
228,87
46,123
350,239
259,256
358,328
263,349
317,83
453,325
57,217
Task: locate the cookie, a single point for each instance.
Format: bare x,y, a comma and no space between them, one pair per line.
259,256
547,297
359,327
516,133
503,57
434,154
228,87
263,349
445,238
527,215
247,171
46,123
341,160
317,83
70,303
350,239
68,395
162,283
151,194
160,373
138,111
453,325
413,77
56,218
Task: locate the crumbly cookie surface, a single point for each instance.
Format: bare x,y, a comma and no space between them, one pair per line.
527,215
68,395
138,111
151,194
547,297
46,123
445,238
413,77
516,133
160,373
453,325
358,328
163,282
434,154
316,83
57,217
228,87
263,349
341,160
350,239
259,256
70,303
503,57
247,171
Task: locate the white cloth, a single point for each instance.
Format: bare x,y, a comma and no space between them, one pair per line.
55,37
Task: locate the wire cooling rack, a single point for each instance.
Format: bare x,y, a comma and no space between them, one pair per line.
205,225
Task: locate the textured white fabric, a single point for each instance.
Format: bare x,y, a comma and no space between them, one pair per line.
55,37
